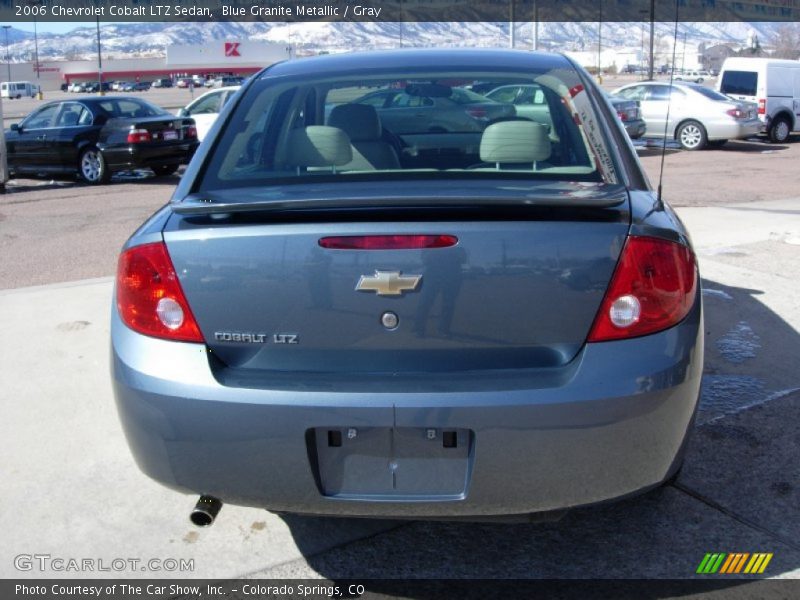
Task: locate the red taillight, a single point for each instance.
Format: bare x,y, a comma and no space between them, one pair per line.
762,106
736,113
191,131
149,296
653,288
388,242
623,116
476,112
137,136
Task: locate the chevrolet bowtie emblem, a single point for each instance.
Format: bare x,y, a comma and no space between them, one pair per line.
388,283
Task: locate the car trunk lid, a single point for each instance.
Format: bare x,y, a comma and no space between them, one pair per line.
160,128
519,286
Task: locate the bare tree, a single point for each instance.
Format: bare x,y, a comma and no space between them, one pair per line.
787,41
661,50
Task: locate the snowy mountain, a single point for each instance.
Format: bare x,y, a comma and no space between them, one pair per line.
150,39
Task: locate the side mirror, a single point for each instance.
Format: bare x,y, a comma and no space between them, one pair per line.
16,127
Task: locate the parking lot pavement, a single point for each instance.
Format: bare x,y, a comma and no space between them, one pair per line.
77,492
738,491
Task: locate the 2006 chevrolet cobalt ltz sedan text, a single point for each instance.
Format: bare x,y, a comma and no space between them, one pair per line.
331,317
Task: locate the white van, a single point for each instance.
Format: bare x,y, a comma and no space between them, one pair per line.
773,84
18,89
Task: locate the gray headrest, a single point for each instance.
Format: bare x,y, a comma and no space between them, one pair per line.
359,121
318,146
515,142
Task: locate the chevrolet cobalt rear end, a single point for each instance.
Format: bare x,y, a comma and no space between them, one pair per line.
331,317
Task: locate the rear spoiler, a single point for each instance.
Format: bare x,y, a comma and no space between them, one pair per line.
206,204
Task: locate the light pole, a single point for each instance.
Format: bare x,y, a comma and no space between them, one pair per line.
511,31
35,39
652,61
683,54
36,48
8,56
600,45
99,63
641,56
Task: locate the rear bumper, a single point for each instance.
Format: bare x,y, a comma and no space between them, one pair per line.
611,423
149,155
731,130
635,128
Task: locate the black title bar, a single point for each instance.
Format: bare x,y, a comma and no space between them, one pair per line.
744,588
399,10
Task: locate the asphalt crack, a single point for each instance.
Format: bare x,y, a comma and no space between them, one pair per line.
736,517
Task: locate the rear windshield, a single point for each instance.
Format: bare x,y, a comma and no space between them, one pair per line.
416,124
129,108
739,83
709,93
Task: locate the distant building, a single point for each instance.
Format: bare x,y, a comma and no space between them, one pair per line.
215,58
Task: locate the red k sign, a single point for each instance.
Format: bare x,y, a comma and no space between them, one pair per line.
232,49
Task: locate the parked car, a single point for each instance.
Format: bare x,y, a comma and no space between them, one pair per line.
184,82
698,116
98,136
205,109
162,83
630,113
635,69
482,87
135,86
327,320
771,83
227,82
76,87
693,75
529,102
434,108
92,87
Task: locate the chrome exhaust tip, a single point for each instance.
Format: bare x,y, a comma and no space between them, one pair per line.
205,511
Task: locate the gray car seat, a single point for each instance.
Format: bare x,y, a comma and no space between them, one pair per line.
318,146
363,126
515,143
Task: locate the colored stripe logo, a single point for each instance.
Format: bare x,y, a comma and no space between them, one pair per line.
734,563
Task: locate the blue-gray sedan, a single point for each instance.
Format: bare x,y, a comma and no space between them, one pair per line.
331,317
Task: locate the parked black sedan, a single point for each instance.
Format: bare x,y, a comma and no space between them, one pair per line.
98,136
630,113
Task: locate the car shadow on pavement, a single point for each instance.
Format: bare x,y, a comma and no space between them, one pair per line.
653,147
140,176
755,145
738,492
